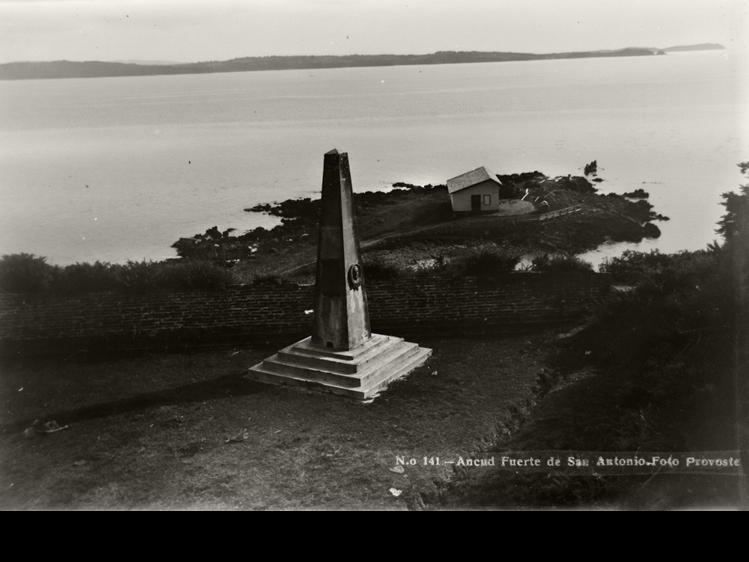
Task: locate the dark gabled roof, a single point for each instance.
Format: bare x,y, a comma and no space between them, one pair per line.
471,178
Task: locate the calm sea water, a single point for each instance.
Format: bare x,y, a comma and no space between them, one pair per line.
119,168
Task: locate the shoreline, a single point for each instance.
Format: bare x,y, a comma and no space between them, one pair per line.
412,223
409,229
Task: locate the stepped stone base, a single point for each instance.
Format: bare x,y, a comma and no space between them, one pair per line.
360,373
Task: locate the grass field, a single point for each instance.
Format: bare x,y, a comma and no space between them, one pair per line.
151,431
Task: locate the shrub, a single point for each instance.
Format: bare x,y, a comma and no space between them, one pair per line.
564,262
25,273
191,275
638,193
137,277
488,263
666,270
574,183
267,279
86,278
632,266
378,270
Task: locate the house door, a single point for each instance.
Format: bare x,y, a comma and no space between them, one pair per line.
475,203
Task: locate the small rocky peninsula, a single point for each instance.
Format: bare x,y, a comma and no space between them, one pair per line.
411,224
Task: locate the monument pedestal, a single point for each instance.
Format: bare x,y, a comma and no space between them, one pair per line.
360,373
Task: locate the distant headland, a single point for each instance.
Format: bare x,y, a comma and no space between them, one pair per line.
95,69
697,47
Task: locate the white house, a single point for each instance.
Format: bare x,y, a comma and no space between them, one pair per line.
476,191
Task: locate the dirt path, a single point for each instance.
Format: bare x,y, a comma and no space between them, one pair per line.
151,431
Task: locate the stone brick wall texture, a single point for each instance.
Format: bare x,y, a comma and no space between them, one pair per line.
269,314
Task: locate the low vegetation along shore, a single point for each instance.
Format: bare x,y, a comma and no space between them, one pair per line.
406,230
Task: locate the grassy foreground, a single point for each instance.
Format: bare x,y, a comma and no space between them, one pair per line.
151,431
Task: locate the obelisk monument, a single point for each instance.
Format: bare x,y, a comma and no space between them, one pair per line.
341,314
342,356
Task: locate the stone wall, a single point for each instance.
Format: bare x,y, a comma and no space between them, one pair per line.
269,314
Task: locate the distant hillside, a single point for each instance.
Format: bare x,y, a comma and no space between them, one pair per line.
91,69
697,47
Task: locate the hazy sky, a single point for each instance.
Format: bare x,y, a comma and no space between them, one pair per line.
189,30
